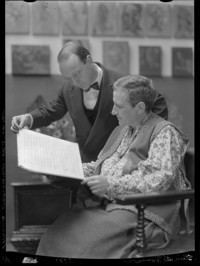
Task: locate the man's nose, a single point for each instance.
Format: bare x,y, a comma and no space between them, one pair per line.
76,82
113,112
75,78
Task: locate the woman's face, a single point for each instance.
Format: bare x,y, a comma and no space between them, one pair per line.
126,114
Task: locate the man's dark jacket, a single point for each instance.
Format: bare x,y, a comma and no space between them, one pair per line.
91,139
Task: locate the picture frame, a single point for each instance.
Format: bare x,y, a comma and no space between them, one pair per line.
182,62
183,22
17,17
30,60
45,18
158,20
103,19
150,60
116,56
74,17
131,20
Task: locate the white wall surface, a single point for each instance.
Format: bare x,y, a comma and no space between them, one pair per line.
96,44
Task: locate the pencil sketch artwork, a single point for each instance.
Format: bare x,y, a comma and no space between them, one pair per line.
183,17
182,62
17,17
45,18
131,19
74,17
82,42
30,60
157,20
103,19
116,56
150,61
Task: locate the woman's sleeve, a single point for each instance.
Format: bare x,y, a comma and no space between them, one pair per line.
88,169
158,171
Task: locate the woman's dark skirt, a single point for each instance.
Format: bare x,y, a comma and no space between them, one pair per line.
96,233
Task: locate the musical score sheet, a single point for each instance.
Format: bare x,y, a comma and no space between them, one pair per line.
45,154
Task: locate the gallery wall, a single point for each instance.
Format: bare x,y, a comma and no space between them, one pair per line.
161,47
129,36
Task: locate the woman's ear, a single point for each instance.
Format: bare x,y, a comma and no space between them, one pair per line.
141,107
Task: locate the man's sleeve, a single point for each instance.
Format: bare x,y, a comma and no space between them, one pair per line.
54,111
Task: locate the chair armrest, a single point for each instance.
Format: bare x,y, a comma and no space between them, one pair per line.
154,197
141,200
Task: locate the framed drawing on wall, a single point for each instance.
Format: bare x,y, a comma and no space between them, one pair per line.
82,42
116,56
182,62
103,19
150,60
158,20
183,22
30,60
131,20
74,16
17,17
45,18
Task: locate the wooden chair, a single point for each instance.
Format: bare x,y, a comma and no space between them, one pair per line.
143,199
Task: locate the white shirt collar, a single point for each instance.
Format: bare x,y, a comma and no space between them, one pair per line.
99,75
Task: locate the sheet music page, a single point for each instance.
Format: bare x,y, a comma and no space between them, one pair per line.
48,155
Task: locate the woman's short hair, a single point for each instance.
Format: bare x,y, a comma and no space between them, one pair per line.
140,89
73,48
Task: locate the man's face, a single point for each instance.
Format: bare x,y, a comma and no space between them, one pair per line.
126,114
78,72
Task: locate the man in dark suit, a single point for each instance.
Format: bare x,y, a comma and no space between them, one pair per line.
87,95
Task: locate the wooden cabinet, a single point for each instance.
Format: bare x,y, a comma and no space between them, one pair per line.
37,205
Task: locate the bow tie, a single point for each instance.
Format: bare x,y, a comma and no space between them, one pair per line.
94,86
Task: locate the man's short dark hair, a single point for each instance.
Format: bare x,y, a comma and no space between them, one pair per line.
73,48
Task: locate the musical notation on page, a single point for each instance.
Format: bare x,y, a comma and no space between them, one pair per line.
45,154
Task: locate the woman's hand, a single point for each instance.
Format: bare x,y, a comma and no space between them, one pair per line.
97,184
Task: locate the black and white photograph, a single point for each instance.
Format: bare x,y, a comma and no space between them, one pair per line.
74,17
46,18
99,132
17,17
182,62
103,19
158,20
131,19
183,23
150,60
116,56
30,60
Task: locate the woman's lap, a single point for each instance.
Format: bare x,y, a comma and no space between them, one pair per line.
92,233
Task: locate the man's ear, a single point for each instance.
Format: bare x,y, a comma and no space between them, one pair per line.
89,59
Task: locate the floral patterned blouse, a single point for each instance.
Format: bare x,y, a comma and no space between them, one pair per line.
156,173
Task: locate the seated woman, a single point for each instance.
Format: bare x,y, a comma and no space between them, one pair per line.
143,154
